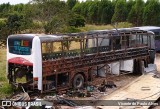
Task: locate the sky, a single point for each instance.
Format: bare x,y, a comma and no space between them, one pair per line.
14,1
20,1
17,1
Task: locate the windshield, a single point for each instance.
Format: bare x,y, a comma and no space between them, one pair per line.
20,45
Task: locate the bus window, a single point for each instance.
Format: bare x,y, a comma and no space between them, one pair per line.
91,46
57,47
20,46
44,48
132,40
91,43
156,33
123,42
72,48
145,39
139,40
157,37
49,47
74,45
103,42
51,50
152,41
116,43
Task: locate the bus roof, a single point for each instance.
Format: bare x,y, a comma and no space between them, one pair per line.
92,33
147,27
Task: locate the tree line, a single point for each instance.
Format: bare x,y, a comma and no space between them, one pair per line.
53,16
136,12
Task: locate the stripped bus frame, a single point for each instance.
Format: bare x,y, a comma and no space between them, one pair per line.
61,70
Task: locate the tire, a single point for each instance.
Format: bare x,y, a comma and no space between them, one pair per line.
78,81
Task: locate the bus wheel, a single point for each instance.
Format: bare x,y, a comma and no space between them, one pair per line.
78,81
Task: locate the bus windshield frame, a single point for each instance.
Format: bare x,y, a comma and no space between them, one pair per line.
20,45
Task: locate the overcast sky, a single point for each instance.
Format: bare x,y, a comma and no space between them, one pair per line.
14,1
21,1
18,1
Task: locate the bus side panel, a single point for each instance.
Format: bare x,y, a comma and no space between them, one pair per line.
37,61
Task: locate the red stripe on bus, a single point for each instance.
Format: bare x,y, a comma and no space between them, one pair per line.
35,78
21,61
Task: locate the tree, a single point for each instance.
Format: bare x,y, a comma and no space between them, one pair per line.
4,31
71,3
136,13
55,25
130,4
92,12
105,11
77,8
151,15
45,10
77,20
5,9
120,11
17,23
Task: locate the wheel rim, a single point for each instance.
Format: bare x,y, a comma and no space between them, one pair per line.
78,82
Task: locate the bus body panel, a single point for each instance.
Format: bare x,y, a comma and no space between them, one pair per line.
37,61
33,59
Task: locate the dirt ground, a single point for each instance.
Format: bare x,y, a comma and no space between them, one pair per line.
120,81
157,61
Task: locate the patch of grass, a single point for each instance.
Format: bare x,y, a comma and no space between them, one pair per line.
124,25
95,27
105,27
3,19
5,88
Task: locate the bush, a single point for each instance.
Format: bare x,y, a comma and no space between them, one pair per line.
56,24
71,29
77,21
3,31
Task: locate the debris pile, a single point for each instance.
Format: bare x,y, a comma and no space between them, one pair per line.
75,97
157,75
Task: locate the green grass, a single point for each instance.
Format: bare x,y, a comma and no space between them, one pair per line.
2,19
103,27
95,27
5,88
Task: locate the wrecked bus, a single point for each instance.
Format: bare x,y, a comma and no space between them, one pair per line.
156,31
58,62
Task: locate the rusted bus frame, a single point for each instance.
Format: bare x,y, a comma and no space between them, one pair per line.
81,44
97,58
131,53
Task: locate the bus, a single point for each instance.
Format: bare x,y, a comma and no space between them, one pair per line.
44,63
156,31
